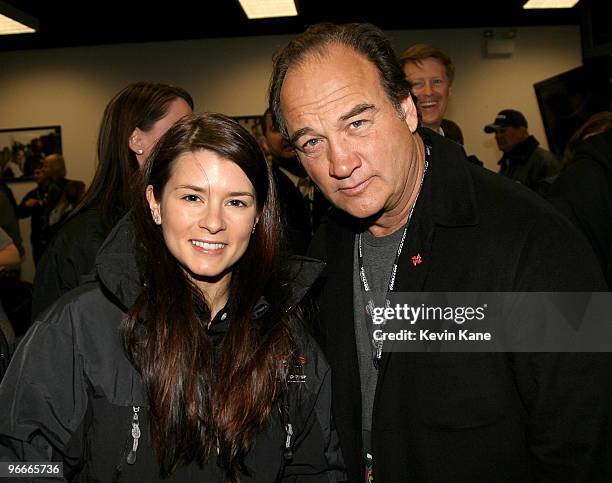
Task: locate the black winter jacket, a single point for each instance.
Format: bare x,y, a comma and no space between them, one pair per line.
530,164
471,417
71,395
69,258
583,192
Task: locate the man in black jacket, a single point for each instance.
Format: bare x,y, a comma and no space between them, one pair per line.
523,159
289,176
302,203
413,216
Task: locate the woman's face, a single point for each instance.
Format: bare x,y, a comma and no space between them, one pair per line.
143,142
207,212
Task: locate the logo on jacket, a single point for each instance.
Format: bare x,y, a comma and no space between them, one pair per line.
294,370
417,260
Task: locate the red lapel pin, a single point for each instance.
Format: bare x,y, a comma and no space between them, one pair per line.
417,260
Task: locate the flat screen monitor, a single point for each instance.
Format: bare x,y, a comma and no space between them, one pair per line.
567,100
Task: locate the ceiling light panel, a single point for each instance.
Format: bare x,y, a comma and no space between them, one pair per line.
268,8
550,4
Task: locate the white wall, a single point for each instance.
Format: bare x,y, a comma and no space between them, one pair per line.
484,86
70,87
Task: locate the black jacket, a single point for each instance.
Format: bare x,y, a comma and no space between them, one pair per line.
531,165
47,196
470,417
294,210
70,393
583,192
69,258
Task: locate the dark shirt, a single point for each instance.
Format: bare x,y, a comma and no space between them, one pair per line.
530,165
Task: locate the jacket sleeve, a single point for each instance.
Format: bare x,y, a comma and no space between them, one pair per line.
567,396
316,453
56,274
582,193
44,398
24,211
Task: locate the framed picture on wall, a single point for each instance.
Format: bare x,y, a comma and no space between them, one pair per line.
22,150
251,123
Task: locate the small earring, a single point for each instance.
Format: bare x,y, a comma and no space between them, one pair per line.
253,230
139,151
156,219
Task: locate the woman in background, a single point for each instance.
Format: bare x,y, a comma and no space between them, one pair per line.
583,190
133,121
187,359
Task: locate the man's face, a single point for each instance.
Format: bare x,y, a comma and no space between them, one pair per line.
39,174
348,135
274,143
432,89
508,137
20,158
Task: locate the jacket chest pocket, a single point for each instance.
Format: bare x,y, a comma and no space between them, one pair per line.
444,391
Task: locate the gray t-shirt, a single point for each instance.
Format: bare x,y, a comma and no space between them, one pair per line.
378,257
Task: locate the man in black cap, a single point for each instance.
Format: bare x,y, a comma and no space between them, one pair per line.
523,160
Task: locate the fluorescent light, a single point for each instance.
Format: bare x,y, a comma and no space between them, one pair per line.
268,8
550,3
8,26
14,21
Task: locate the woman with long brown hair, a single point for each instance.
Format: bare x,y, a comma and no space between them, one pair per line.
134,119
583,190
187,360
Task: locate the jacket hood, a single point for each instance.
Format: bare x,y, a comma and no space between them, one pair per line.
118,271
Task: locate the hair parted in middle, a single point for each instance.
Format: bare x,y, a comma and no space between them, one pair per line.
365,39
203,397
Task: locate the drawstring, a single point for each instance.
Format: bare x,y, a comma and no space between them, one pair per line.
131,457
284,414
288,453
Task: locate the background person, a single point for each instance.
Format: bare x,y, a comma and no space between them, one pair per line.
10,259
583,190
38,203
294,188
523,160
453,132
132,123
430,73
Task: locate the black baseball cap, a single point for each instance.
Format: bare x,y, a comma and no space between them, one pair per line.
506,118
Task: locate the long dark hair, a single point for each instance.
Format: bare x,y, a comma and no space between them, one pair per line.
204,398
596,124
139,105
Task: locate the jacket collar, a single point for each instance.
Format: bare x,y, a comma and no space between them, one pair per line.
117,269
522,151
117,265
447,197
